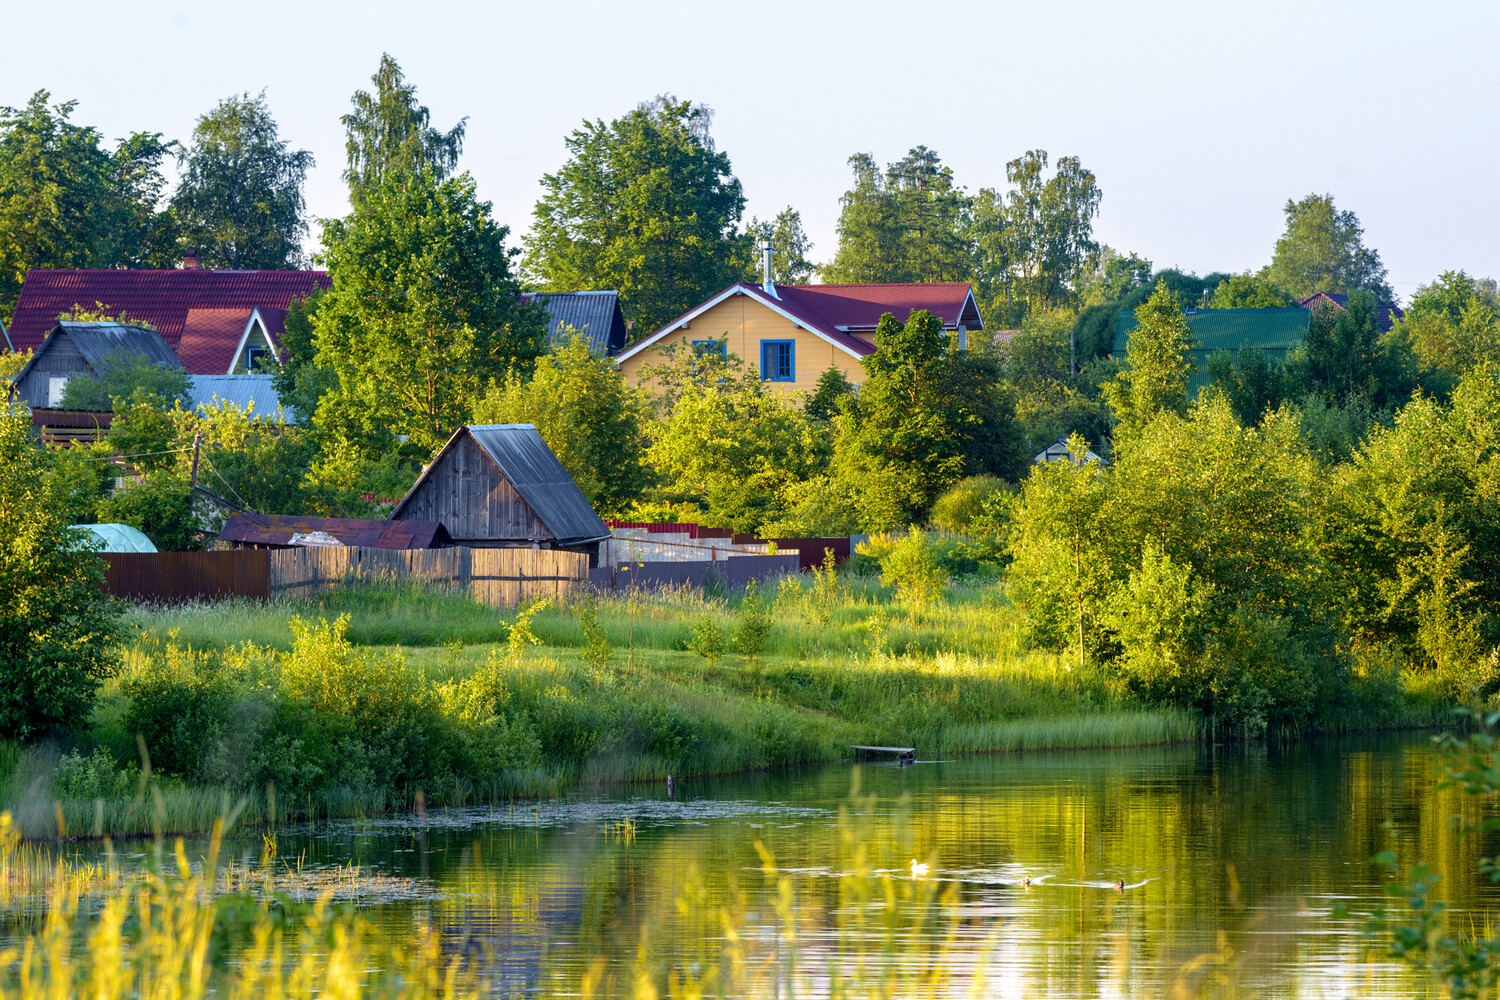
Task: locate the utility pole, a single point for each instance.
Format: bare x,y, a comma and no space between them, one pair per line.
197,440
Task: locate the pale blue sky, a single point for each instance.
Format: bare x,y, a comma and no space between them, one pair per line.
1199,119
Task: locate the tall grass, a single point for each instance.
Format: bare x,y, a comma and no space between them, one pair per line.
420,692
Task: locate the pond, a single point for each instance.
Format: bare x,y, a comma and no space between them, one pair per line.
1232,858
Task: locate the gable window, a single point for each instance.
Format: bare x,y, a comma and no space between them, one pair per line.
258,358
719,347
778,361
56,386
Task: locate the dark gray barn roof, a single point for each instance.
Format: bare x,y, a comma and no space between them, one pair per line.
536,474
596,315
97,341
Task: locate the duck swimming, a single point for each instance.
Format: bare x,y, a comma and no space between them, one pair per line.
1119,885
1025,881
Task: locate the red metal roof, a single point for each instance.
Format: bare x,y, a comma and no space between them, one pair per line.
165,299
278,529
859,307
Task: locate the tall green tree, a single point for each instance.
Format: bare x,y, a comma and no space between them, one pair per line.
1345,358
645,204
145,232
1250,291
57,631
54,193
1035,241
388,132
240,202
1322,250
909,224
729,447
1158,365
1453,324
789,248
927,415
424,311
588,416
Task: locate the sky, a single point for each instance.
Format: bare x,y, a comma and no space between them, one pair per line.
1199,119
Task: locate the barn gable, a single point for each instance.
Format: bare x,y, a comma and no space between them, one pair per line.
498,485
73,349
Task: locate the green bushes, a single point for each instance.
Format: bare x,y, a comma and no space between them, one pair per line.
57,632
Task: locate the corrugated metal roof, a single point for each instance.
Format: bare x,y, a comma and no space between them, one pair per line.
278,529
596,315
541,480
240,390
97,341
1274,331
537,475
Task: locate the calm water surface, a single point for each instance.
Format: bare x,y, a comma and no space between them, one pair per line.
1253,843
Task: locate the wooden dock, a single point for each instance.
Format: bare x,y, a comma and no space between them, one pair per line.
903,755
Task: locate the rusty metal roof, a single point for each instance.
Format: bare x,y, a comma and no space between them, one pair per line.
278,529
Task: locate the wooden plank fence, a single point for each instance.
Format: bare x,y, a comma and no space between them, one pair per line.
497,577
501,578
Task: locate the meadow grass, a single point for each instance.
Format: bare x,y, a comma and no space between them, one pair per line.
427,693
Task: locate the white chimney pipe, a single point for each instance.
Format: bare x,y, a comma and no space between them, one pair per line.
765,270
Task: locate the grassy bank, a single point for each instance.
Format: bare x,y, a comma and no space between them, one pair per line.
384,695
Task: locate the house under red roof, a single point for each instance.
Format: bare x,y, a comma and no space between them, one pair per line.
1385,313
843,315
215,321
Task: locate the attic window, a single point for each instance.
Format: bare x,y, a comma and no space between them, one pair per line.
258,358
57,385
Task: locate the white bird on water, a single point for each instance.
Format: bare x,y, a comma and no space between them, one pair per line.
918,869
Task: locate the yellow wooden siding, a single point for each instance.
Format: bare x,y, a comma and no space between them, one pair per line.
743,323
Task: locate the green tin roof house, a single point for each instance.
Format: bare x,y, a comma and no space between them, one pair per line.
1274,331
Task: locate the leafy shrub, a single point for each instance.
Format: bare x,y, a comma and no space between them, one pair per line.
708,639
364,719
964,502
595,638
93,776
57,631
160,506
912,569
754,623
189,712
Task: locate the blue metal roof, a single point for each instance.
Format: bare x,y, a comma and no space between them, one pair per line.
596,315
240,391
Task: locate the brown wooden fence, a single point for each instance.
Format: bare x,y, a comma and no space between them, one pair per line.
168,577
497,577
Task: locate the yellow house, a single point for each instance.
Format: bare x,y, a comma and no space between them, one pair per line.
792,334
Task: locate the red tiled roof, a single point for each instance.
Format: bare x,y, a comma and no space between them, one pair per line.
164,299
842,312
209,337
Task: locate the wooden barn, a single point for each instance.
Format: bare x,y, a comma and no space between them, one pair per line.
80,349
500,486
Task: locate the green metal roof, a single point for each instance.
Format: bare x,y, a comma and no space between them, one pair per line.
1274,331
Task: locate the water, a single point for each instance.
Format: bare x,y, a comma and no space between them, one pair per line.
1253,843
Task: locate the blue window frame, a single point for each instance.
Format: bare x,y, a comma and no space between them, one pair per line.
778,361
721,347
